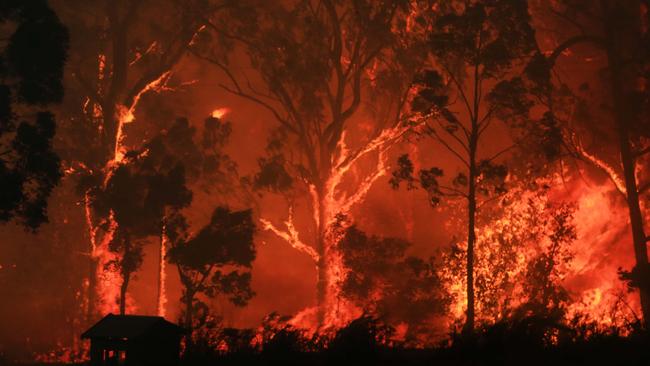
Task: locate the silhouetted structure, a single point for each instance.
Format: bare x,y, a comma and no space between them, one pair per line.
134,340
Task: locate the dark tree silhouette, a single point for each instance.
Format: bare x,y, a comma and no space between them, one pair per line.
214,261
480,51
153,183
386,283
619,31
32,57
138,194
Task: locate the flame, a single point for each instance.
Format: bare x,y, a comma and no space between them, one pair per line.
126,114
291,235
220,112
108,281
591,277
162,276
609,170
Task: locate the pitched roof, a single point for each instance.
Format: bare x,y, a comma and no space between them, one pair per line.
131,326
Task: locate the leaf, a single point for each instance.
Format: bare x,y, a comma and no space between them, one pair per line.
403,173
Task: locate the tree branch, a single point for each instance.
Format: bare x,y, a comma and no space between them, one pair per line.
444,143
572,42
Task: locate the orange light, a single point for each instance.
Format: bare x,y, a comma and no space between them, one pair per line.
220,112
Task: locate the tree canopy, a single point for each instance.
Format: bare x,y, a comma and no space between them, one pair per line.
32,59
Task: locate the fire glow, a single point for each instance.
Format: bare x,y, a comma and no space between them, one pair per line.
489,179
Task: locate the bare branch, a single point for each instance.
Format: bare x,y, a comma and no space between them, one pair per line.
503,151
260,102
460,89
444,143
571,42
462,143
240,92
454,192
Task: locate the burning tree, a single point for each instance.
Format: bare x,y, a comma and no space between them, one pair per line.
123,52
317,62
618,99
31,72
154,183
137,195
480,50
521,259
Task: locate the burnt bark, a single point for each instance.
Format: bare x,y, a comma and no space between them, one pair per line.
123,289
189,300
471,231
621,33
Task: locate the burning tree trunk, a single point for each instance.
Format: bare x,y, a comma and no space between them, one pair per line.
314,95
162,276
114,92
123,287
321,248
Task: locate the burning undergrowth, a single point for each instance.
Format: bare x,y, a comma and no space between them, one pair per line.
419,178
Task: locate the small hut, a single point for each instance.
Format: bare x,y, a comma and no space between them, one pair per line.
134,340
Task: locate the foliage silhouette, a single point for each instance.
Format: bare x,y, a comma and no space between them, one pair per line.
216,260
31,70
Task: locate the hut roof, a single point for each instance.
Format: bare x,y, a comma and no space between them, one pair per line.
132,326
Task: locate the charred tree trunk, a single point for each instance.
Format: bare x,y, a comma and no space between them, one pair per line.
471,231
621,31
189,300
123,289
187,322
631,191
636,221
471,194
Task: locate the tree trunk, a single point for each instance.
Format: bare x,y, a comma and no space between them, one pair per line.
321,282
636,221
189,300
160,303
471,233
632,195
620,47
92,289
123,288
126,272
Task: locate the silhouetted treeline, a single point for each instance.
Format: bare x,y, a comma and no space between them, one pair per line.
527,341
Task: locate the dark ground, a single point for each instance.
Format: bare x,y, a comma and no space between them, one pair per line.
515,343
